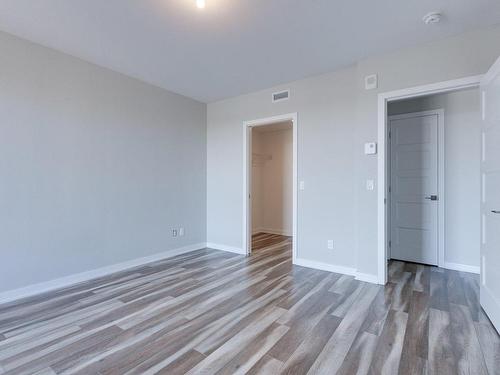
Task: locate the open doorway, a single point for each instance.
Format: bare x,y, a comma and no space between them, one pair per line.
270,186
383,159
469,191
434,154
456,120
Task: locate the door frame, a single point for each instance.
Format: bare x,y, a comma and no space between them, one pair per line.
441,182
382,160
247,177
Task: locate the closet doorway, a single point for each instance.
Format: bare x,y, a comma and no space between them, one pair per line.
272,186
270,204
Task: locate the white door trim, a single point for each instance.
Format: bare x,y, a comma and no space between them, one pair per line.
492,73
383,99
247,168
441,181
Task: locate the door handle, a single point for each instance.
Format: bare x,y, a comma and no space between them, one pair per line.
432,197
496,211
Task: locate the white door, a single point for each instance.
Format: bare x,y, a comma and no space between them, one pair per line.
490,205
414,197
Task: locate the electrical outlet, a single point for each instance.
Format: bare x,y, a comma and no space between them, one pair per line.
181,232
174,232
330,244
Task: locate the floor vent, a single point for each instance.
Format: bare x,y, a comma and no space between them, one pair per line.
280,96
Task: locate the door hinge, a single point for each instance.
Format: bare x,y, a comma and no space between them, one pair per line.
389,135
390,243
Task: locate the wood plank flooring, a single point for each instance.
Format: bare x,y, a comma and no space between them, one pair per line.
212,312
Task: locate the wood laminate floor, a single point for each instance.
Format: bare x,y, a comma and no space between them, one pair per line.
212,312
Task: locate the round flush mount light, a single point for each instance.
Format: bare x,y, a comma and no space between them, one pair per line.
432,17
200,4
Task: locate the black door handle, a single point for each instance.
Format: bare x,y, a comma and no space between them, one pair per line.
496,211
432,197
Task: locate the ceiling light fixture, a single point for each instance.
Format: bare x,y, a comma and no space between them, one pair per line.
432,17
200,4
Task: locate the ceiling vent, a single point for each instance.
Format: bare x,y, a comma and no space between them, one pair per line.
280,96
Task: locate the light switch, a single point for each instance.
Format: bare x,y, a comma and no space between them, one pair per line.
370,148
371,82
370,185
302,185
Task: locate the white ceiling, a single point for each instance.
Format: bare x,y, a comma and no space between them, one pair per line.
234,46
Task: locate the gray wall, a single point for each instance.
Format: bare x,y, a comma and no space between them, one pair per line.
462,145
336,117
95,168
326,106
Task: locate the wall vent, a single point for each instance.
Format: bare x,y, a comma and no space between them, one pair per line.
280,96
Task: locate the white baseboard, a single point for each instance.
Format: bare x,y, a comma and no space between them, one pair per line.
47,286
231,249
367,277
325,266
491,306
462,267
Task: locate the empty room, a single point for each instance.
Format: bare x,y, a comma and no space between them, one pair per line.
249,187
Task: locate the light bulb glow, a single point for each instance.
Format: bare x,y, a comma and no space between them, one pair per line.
200,4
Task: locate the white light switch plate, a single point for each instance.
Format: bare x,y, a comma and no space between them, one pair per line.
371,82
370,148
370,185
302,185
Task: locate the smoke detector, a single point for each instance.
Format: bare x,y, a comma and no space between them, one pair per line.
432,17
